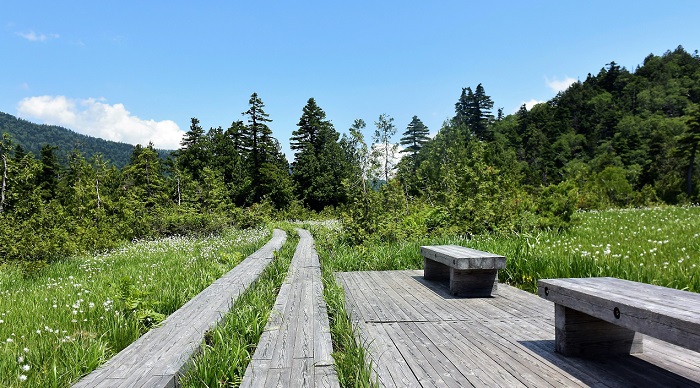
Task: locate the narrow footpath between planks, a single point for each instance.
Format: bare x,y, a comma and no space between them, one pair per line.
295,348
157,358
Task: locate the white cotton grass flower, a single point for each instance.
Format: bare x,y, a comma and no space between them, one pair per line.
22,377
20,359
26,367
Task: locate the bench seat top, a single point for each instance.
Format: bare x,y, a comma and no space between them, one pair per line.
463,258
664,313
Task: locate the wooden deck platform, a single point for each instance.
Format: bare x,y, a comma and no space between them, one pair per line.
157,358
295,348
419,335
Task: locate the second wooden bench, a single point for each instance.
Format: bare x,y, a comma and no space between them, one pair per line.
470,272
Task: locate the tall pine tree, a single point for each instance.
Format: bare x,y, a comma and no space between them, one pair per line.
318,169
414,138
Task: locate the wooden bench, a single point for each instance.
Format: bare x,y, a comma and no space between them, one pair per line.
607,316
470,273
158,357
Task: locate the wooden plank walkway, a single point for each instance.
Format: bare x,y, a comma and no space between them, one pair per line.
157,358
295,348
418,335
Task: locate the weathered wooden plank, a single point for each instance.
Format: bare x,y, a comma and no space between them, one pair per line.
410,354
463,258
646,314
506,340
297,342
160,354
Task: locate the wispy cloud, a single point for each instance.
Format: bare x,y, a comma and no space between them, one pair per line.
96,118
37,37
557,85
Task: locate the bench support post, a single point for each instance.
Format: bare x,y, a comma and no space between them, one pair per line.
434,270
475,283
581,335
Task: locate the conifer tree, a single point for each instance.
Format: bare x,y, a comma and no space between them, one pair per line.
50,171
414,138
269,169
318,169
193,154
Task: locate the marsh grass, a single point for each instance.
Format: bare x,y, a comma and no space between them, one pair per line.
655,245
350,356
63,321
229,347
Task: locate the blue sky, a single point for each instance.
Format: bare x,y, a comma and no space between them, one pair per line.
138,71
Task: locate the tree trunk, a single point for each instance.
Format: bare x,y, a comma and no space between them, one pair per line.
97,190
689,175
4,183
178,191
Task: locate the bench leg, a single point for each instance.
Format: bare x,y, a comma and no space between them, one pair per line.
473,283
581,335
434,270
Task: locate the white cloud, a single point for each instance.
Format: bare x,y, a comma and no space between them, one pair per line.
34,37
529,104
559,85
96,118
395,156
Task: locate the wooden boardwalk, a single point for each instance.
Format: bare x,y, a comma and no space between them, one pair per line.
419,335
157,358
295,348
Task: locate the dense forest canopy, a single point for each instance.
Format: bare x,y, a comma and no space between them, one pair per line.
618,138
31,137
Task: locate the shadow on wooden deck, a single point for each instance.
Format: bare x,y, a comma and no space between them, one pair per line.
420,335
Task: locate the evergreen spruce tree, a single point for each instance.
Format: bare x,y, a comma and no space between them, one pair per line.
50,172
480,114
414,138
269,169
194,153
318,169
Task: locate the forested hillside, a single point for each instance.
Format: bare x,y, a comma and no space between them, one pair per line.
619,138
31,137
616,136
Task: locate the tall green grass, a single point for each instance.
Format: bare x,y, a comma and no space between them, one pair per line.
229,347
63,321
350,356
655,245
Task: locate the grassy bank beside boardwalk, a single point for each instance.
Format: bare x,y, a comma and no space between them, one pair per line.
63,321
654,245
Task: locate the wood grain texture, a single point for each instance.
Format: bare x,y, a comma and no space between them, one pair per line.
295,348
470,273
503,341
459,257
157,358
664,313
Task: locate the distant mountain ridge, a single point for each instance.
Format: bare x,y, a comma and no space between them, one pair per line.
33,136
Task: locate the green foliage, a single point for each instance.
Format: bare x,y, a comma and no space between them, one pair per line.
229,347
32,137
73,315
138,304
319,166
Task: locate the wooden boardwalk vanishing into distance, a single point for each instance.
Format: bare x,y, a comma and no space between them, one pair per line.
157,358
419,335
295,348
